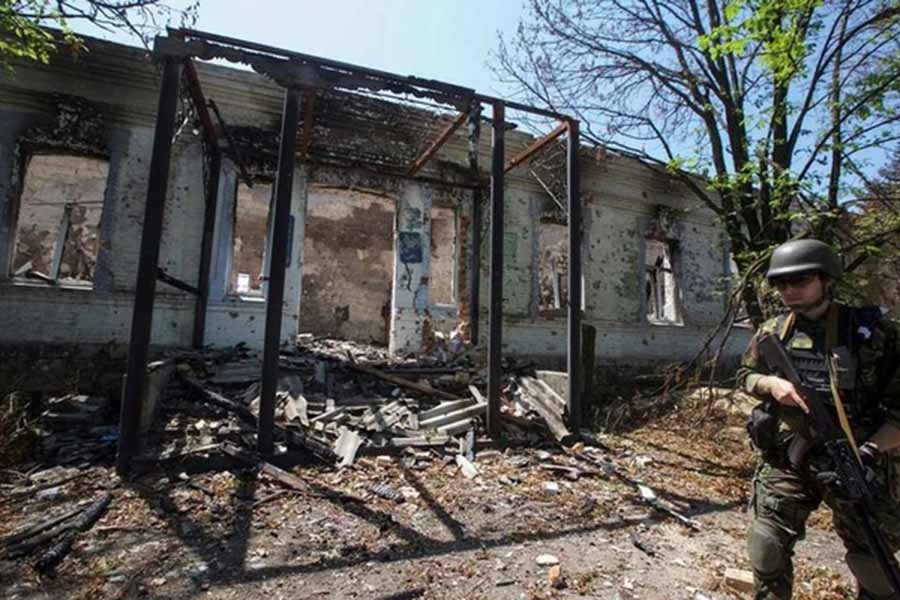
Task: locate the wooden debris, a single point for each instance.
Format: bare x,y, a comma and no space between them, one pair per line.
645,493
39,527
67,525
406,383
739,580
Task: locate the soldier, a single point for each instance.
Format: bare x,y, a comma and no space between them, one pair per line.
793,479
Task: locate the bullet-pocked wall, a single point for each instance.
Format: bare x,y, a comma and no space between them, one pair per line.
103,104
653,266
628,208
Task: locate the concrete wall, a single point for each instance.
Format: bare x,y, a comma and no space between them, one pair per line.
35,312
342,252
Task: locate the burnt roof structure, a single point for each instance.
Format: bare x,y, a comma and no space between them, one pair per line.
339,115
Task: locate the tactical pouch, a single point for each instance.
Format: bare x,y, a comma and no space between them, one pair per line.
762,426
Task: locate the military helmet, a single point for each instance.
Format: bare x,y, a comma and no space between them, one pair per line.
803,256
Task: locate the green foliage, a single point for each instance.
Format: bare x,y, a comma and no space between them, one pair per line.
22,24
780,26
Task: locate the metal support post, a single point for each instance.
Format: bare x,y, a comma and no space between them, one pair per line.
574,357
145,289
275,297
495,327
474,127
209,221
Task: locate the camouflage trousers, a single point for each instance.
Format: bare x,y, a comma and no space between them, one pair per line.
783,500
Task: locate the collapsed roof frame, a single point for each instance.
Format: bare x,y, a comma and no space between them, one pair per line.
301,75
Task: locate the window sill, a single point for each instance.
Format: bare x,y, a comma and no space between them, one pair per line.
233,299
662,323
46,285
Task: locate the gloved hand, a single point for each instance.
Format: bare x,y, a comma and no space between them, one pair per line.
869,455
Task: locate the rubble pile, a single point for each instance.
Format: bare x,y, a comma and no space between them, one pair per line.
343,399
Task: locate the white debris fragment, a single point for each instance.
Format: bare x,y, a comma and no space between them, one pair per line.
547,560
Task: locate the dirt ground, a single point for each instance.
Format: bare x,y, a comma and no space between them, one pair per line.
210,528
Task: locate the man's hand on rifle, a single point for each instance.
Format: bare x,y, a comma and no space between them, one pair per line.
782,390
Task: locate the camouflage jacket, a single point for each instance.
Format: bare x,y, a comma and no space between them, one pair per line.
877,347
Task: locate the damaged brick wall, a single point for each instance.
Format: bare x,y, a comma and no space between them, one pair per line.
348,265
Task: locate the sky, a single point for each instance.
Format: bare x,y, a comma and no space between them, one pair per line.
450,40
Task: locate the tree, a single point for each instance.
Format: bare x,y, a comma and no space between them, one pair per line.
873,232
783,104
23,23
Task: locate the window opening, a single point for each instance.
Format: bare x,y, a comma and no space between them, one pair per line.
553,246
250,241
58,228
661,288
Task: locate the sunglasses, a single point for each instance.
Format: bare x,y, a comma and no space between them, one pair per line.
794,281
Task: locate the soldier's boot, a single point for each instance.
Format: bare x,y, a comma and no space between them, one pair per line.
870,579
773,574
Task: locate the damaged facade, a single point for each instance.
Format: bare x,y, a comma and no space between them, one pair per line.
372,257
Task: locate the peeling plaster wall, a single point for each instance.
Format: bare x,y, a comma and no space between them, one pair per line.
620,197
123,84
412,267
349,265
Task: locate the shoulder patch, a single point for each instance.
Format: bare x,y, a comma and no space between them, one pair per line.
770,326
865,320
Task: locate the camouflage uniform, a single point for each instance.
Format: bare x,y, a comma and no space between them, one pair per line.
784,496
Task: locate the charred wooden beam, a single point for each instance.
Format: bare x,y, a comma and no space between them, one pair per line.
175,282
277,265
574,356
474,126
437,143
235,151
495,316
536,147
196,91
309,113
145,290
206,244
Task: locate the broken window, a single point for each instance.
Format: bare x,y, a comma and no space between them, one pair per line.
251,230
58,229
553,267
661,287
443,255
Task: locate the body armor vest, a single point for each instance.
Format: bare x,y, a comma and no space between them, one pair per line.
812,365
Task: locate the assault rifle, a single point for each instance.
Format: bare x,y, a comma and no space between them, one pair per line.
850,473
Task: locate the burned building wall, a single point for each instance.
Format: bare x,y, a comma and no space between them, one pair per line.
622,205
339,280
348,265
121,85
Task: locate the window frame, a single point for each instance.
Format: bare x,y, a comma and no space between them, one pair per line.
28,150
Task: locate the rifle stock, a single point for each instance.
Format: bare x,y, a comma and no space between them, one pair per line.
850,472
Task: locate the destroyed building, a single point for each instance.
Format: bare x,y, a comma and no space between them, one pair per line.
75,147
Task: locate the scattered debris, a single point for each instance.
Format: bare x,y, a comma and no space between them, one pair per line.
387,492
467,469
739,580
546,560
